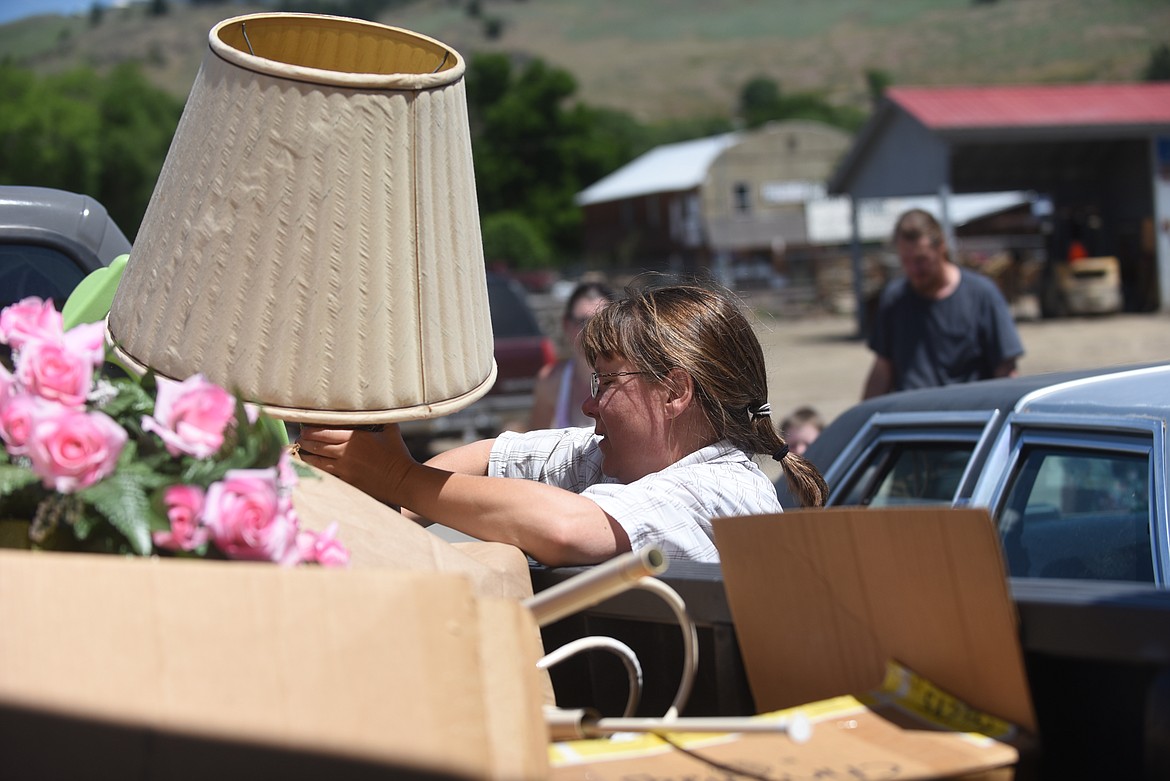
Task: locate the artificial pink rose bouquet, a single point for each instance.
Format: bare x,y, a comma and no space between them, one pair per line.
100,465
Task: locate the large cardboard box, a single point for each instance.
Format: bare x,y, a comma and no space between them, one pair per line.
378,536
418,662
891,630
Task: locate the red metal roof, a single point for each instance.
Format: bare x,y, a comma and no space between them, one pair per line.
1036,106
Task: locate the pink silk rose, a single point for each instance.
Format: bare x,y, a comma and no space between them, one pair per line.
29,319
184,505
71,450
190,416
8,385
249,519
17,414
323,547
88,340
58,369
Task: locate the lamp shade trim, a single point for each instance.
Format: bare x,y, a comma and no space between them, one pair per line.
336,51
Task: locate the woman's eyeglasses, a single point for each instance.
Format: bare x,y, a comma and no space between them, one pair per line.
594,380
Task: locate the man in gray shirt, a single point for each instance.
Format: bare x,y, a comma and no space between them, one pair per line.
939,324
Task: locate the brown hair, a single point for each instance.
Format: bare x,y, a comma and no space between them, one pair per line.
702,331
913,224
587,291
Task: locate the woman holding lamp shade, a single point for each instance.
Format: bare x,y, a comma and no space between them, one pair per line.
679,403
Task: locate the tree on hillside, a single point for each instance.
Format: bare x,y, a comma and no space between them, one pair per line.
876,83
534,150
103,137
761,101
1158,68
137,123
511,238
48,130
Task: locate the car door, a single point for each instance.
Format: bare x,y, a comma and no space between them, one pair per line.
1078,497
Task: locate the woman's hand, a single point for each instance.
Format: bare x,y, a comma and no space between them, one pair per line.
376,463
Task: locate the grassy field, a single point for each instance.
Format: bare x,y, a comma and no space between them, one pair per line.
660,59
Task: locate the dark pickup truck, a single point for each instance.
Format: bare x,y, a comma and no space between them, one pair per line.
50,240
1073,467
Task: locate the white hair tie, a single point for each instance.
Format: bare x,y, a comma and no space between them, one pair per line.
761,411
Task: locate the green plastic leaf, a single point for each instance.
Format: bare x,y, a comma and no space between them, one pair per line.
90,300
142,469
122,498
86,524
13,478
131,403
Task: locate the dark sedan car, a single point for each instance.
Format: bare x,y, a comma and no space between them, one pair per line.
1072,466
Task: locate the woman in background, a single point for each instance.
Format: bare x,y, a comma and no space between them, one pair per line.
562,387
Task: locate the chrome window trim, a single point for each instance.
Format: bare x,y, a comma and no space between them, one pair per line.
1118,435
885,427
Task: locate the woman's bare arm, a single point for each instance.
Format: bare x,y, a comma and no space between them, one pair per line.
554,526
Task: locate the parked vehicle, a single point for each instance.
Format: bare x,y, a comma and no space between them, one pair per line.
50,240
1073,467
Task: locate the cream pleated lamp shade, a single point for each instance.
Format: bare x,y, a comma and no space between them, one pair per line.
313,242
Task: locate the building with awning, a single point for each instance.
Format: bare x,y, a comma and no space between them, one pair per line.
733,198
752,207
1097,154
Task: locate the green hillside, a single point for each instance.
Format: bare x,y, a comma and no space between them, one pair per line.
663,59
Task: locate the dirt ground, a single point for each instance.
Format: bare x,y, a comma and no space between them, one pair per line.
819,361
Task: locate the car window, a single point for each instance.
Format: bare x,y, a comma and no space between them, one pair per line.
1078,513
32,270
907,472
917,457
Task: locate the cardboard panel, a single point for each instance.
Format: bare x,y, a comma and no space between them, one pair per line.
510,639
371,667
821,599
